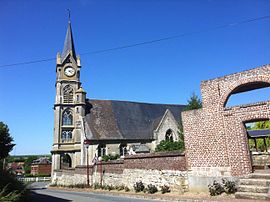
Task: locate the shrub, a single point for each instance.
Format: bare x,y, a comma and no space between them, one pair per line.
127,189
11,189
165,189
216,188
111,187
42,175
5,195
80,186
28,175
110,157
168,145
108,187
97,186
138,186
227,186
151,189
121,187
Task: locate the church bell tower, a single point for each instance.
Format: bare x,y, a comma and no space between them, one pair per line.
69,107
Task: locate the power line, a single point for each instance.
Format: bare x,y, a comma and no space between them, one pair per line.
28,62
146,42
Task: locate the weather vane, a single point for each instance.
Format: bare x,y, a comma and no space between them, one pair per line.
68,14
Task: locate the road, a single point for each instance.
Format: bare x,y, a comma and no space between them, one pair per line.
41,194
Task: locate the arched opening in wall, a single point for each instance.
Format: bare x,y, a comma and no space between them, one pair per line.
65,161
248,93
169,135
258,135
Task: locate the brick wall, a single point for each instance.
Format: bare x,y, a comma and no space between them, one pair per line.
156,168
41,169
215,136
154,161
157,161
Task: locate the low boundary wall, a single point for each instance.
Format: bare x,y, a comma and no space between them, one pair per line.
156,168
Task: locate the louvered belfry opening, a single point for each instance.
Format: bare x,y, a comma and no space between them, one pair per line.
68,94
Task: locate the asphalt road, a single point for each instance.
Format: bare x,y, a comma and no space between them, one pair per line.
41,194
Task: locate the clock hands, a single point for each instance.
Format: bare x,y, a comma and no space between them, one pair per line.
69,71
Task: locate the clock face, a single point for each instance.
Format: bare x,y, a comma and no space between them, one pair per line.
69,71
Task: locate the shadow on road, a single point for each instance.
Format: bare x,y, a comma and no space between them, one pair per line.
45,198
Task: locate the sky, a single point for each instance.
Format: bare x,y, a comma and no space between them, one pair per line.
168,71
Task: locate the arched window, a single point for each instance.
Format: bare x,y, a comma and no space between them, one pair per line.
66,136
65,161
169,135
67,117
123,149
101,150
68,94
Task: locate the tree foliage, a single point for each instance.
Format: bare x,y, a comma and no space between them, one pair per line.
260,143
261,125
11,189
27,163
167,145
194,102
6,140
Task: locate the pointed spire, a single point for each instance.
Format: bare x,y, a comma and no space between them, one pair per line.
69,43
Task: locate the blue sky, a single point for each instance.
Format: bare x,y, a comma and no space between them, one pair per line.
164,72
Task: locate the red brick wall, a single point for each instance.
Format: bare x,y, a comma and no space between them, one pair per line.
41,169
155,161
215,135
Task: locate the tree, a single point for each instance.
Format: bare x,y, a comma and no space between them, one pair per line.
27,163
6,140
262,125
194,102
260,143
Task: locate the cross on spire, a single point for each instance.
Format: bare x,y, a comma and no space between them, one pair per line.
68,14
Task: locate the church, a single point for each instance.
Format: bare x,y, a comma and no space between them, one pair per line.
107,126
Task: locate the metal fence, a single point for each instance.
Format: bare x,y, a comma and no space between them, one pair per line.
34,179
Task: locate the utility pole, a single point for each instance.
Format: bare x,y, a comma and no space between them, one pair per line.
87,143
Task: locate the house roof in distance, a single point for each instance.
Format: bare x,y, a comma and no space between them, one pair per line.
125,120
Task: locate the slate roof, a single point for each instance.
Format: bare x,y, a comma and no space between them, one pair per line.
42,160
258,133
124,120
68,44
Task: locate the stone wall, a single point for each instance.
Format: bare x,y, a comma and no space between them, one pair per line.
158,169
168,122
215,136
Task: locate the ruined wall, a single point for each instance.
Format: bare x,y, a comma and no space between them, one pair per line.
158,169
215,137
